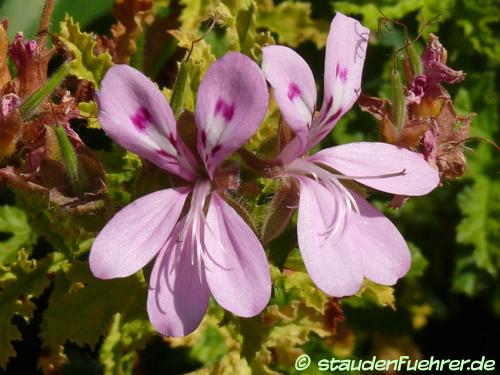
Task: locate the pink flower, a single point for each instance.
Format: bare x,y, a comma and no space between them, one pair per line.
341,236
206,249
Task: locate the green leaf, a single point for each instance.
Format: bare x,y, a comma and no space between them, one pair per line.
14,223
251,330
292,22
82,307
88,110
19,283
479,202
301,284
382,295
480,205
84,12
121,168
294,261
231,363
210,347
56,225
418,262
85,64
396,10
291,327
478,20
120,347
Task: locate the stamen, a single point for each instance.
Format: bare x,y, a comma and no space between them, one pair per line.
344,200
191,233
304,167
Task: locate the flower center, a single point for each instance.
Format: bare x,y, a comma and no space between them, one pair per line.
191,239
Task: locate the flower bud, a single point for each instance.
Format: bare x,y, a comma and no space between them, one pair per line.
399,115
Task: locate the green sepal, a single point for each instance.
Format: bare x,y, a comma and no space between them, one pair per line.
415,62
398,100
32,102
179,89
69,157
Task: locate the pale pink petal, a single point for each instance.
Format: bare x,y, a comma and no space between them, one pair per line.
384,254
136,115
293,150
333,263
236,267
369,159
230,105
136,234
345,56
294,87
177,297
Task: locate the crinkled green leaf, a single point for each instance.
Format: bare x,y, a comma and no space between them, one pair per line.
121,168
210,347
250,39
292,22
479,202
82,307
62,230
231,363
301,283
395,9
16,232
480,205
120,347
252,331
85,64
418,262
291,328
88,110
382,295
19,283
478,20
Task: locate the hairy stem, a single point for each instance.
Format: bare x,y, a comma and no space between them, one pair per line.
45,21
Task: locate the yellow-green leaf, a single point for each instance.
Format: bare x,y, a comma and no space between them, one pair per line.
88,110
85,63
292,22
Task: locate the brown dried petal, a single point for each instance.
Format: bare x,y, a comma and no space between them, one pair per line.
453,130
11,125
413,133
130,14
380,108
435,68
4,69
